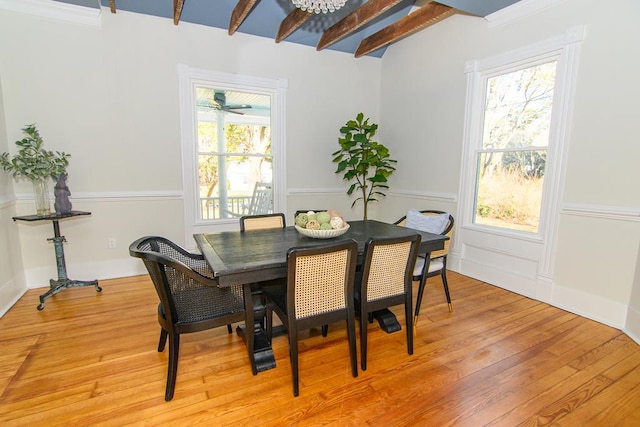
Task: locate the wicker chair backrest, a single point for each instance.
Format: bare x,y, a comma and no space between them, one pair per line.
322,278
448,231
262,222
185,283
388,270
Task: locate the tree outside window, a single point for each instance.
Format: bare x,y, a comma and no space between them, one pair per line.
512,159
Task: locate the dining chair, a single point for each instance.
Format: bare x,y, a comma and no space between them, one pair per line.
386,281
319,291
190,300
324,328
437,264
262,222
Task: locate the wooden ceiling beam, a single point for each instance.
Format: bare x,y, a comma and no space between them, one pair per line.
292,22
112,6
356,19
427,15
239,14
177,10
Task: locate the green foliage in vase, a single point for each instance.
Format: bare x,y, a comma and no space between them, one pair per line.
32,161
363,159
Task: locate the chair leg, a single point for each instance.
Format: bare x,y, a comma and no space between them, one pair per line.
172,371
163,340
363,340
423,282
443,274
229,330
351,334
293,356
325,330
409,322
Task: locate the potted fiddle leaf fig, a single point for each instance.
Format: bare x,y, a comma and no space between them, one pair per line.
34,163
364,160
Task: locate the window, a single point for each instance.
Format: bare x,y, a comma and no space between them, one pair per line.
512,157
232,146
235,163
516,138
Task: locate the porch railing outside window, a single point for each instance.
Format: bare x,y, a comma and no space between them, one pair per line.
236,207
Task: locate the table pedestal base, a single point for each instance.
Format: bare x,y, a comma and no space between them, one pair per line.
387,320
56,286
262,351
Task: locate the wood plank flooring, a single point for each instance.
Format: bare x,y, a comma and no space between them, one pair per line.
499,359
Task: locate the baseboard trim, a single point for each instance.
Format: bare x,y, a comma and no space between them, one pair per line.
632,327
10,293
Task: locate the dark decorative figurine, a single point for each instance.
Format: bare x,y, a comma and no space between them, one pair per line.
62,193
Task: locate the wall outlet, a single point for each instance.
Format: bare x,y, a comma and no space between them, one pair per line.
111,243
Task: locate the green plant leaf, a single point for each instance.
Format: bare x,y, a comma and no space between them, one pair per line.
363,159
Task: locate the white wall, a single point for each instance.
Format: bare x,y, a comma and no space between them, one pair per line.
597,243
108,94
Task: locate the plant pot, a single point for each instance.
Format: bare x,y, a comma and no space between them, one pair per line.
41,197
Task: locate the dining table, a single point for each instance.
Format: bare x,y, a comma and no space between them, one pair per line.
260,256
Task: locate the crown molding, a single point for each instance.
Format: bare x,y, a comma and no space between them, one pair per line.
519,10
55,10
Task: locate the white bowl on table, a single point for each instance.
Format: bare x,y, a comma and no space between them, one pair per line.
322,234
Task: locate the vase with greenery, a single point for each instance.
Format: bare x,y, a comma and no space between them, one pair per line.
34,163
363,159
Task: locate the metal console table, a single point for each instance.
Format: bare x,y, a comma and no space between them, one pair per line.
63,281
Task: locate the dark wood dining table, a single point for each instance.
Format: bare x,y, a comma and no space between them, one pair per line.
245,258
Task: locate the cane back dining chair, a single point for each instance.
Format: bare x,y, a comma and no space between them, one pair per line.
262,222
324,328
386,281
319,291
190,300
437,264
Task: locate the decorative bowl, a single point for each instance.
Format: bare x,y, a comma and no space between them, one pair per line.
322,234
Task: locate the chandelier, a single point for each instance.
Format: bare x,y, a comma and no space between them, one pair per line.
318,6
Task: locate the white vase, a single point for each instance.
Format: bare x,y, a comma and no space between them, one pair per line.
41,197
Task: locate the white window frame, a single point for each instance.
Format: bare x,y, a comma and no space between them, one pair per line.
565,50
189,78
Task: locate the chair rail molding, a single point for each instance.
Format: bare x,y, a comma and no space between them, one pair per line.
7,200
117,195
315,191
55,10
618,213
408,194
425,195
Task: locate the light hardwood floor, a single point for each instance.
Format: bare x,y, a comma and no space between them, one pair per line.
500,359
